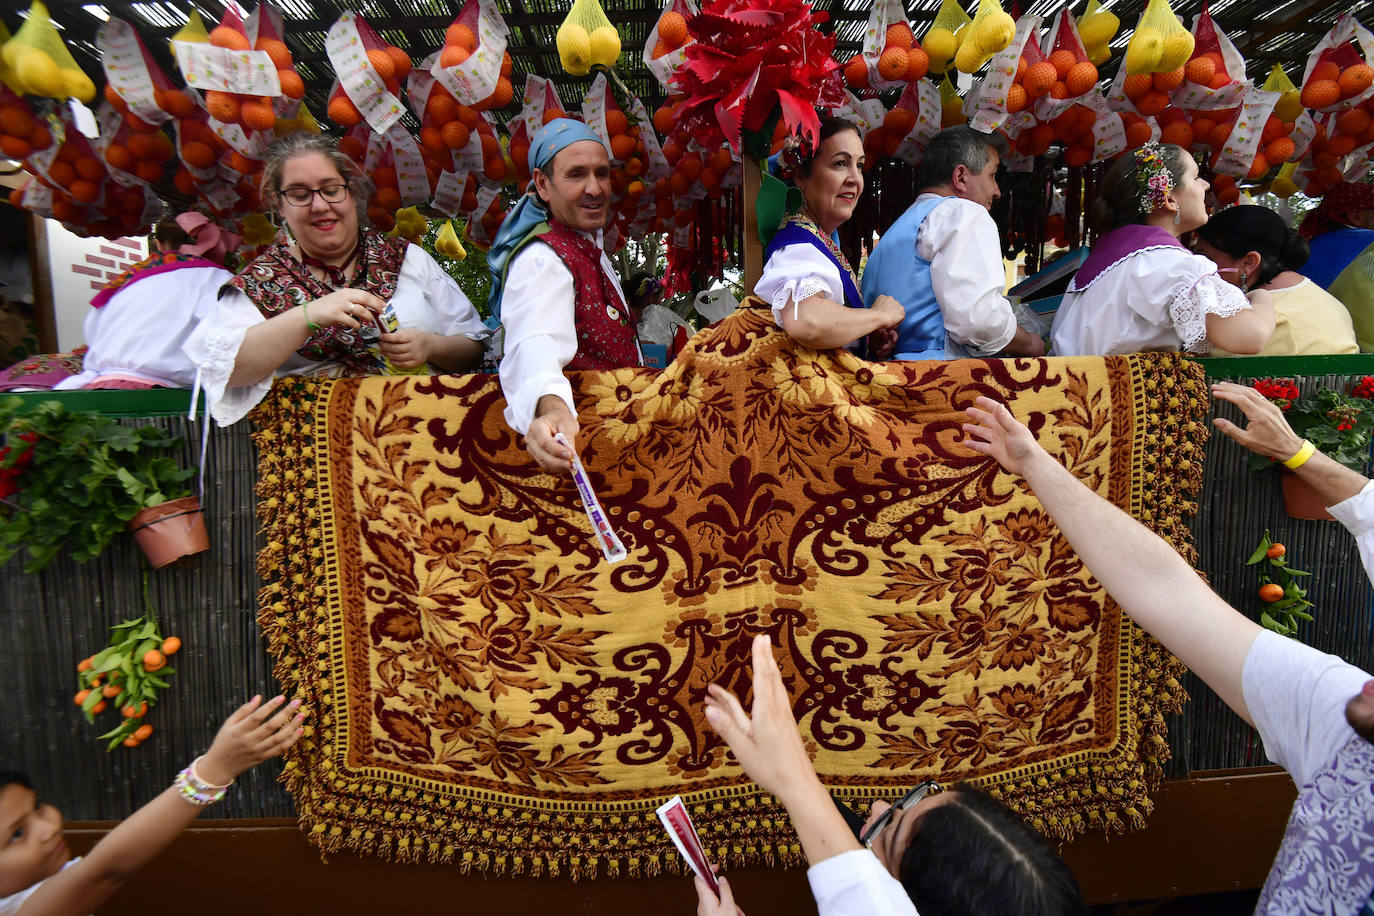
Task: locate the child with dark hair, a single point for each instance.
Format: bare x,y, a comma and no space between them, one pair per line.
1140,288
951,853
38,876
1255,249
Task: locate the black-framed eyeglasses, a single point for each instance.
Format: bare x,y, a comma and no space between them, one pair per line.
301,197
909,800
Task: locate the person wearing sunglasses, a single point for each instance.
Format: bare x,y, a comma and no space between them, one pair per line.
940,853
309,304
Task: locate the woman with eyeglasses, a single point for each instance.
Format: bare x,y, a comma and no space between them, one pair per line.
314,300
951,853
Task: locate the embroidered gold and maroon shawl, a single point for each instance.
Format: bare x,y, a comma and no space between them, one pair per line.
486,690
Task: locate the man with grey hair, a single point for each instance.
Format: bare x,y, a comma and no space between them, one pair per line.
942,259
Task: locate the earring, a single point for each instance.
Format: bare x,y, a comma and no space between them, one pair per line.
1244,288
1178,217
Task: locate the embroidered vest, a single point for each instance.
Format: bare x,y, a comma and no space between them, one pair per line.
894,269
605,336
798,230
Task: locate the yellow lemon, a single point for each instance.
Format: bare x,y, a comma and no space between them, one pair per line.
1098,29
574,48
1289,106
78,85
1178,47
970,57
1144,51
1099,54
941,46
962,33
39,73
995,32
605,46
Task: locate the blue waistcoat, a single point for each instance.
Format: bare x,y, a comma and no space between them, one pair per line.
896,270
1332,253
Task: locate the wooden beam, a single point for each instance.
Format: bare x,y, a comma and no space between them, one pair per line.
1303,14
753,248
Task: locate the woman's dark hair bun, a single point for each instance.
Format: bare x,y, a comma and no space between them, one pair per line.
1295,252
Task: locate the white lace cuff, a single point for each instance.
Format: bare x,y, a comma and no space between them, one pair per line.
215,364
1188,311
795,291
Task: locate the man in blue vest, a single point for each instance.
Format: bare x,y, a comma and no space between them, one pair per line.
942,258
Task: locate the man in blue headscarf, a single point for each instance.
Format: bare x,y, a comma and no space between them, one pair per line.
554,289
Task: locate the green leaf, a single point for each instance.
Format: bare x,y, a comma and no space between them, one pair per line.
1259,552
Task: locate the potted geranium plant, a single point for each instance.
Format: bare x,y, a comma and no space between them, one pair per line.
1338,424
72,481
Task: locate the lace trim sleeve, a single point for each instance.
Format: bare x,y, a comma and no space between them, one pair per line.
1208,295
795,291
215,363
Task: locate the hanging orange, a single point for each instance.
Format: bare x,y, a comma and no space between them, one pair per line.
224,106
343,112
1169,80
1081,78
1063,62
672,29
899,36
292,86
453,55
276,49
892,64
1039,78
1200,70
462,36
225,37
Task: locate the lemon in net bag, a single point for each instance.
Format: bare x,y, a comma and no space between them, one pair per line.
1160,43
587,39
40,63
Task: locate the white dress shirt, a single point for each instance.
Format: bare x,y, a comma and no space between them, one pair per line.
1153,299
855,883
540,329
426,299
140,331
960,241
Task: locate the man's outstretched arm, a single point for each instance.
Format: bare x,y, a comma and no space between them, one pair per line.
1149,580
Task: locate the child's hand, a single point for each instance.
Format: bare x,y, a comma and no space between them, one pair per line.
248,737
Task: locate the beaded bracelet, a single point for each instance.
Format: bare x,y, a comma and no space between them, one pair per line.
308,323
196,790
1300,458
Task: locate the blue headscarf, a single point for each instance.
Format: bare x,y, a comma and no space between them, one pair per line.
525,216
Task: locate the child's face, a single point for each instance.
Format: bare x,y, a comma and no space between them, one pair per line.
31,844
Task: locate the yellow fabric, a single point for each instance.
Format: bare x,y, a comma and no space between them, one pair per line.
486,690
1354,286
1308,321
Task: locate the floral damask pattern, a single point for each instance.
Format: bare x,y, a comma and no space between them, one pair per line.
493,693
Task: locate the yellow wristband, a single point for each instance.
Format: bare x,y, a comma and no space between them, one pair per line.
1301,457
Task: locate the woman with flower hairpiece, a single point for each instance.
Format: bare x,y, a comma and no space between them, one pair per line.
806,278
1140,288
140,319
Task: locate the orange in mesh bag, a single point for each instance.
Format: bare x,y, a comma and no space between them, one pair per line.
40,64
22,131
474,76
1075,75
1160,43
1337,74
587,39
271,41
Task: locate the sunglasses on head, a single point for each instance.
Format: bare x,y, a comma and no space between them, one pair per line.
909,800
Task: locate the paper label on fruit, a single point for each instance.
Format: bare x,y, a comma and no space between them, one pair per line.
222,196
1109,134
37,198
252,145
658,164
594,109
1304,129
1239,152
1356,165
127,71
359,79
411,178
245,72
922,97
448,192
682,237
867,114
535,99
1191,95
420,84
475,78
